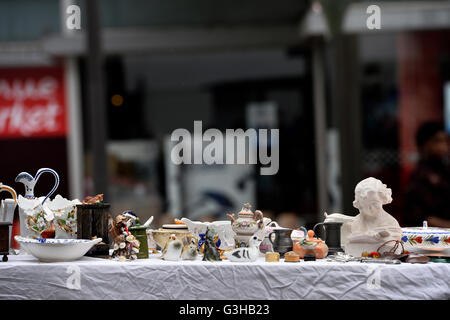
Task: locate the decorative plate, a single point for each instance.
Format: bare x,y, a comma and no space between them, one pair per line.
426,238
56,250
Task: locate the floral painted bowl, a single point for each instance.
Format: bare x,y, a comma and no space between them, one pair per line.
426,238
56,250
161,236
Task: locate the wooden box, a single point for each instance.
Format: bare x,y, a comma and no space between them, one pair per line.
4,240
92,221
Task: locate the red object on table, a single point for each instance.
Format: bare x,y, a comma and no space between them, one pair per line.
15,231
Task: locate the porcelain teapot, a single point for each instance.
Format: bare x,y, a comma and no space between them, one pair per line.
313,244
246,224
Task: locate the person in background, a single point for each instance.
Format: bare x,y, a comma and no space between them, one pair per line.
428,192
289,220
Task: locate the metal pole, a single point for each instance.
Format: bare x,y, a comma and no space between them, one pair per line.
320,126
96,103
73,97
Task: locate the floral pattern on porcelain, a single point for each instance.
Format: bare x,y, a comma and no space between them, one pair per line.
246,224
52,241
426,238
65,216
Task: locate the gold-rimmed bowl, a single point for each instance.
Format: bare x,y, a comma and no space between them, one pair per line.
161,235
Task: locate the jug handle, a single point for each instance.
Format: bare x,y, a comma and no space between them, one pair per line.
304,231
270,237
10,190
43,170
323,227
274,224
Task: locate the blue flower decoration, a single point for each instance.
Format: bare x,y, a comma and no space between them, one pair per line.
41,240
434,239
404,238
202,240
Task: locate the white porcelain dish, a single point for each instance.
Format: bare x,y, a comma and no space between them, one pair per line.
429,238
56,250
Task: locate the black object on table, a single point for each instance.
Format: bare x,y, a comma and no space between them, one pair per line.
332,236
309,257
281,240
4,240
93,221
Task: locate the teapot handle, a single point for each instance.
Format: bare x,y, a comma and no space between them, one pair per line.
10,190
43,170
323,227
304,231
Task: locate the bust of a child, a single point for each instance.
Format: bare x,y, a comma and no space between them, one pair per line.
372,226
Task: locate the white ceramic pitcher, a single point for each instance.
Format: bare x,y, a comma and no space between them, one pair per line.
30,200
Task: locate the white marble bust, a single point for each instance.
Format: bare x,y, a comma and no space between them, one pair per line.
372,226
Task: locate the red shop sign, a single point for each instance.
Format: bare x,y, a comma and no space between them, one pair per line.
32,102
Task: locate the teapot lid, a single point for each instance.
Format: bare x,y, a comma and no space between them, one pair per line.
311,237
246,210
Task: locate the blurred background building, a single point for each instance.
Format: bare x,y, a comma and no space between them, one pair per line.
99,104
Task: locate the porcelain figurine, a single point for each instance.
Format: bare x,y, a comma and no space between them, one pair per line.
190,247
97,199
223,229
250,253
246,224
372,226
211,253
126,246
172,250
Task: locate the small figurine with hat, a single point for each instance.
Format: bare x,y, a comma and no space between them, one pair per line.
126,246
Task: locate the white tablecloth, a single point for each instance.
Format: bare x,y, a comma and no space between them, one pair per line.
23,277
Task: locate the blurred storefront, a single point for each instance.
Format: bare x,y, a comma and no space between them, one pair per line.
402,71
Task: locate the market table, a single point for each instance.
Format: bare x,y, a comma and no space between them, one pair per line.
23,277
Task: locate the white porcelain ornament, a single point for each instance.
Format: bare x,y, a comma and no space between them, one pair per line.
250,253
373,226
